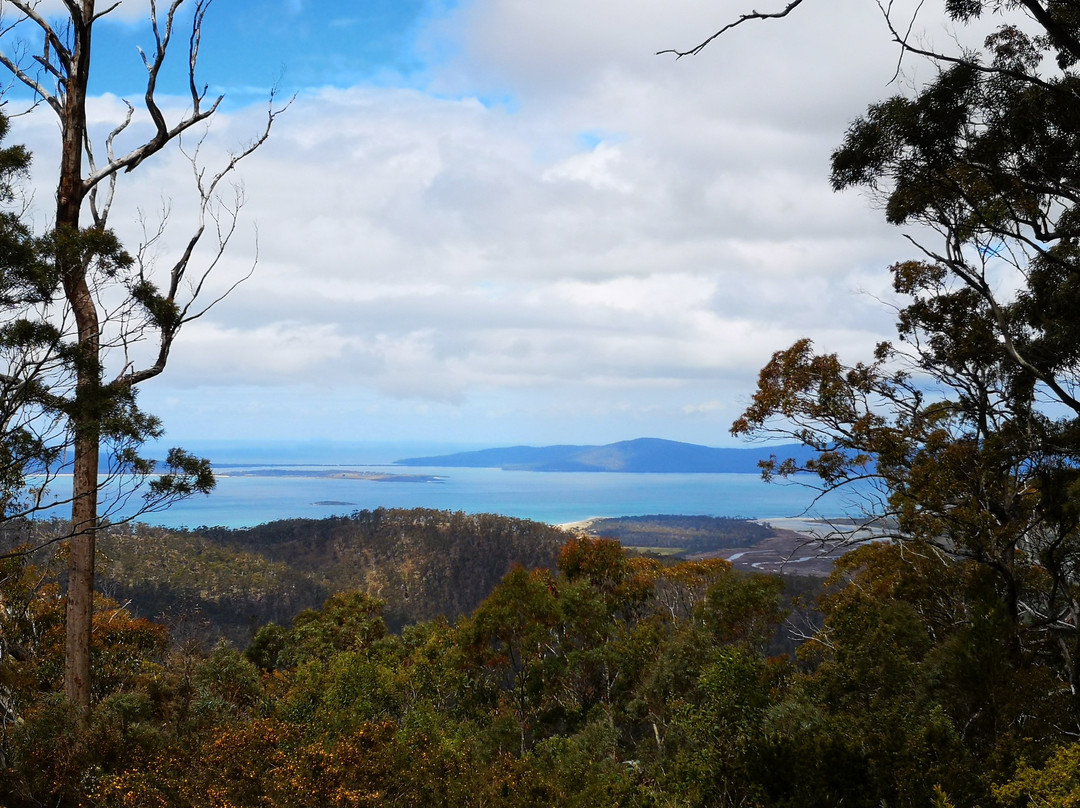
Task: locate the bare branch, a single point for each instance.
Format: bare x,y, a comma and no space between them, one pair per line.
109,10
188,317
101,216
52,40
164,134
193,52
51,45
25,78
753,15
208,200
887,13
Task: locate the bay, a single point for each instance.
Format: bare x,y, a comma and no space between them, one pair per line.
266,481
552,497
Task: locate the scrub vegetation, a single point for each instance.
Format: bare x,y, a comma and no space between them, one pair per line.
609,680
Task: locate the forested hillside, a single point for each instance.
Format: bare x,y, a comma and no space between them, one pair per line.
420,563
643,455
204,589
611,681
209,583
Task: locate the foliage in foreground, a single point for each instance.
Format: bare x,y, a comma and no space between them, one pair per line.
614,681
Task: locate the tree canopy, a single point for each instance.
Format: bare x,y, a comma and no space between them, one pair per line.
612,680
970,419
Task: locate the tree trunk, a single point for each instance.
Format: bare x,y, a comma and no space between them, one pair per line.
85,417
80,594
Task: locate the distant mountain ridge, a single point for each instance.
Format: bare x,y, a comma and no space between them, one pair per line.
640,456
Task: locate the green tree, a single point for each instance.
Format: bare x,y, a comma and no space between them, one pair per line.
515,637
25,430
348,621
85,366
1054,785
970,421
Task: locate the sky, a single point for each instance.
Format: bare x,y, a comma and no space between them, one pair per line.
507,221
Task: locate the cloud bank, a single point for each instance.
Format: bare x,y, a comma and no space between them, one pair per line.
549,234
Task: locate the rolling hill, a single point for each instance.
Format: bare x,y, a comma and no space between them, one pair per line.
644,455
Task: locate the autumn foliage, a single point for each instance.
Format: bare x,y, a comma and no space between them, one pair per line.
614,680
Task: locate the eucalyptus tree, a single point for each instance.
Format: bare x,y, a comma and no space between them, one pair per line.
971,419
105,320
24,436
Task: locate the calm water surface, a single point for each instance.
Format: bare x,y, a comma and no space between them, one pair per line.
551,497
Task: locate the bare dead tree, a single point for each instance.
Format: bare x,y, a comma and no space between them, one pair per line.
111,300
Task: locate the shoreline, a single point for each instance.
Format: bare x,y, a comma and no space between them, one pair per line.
798,545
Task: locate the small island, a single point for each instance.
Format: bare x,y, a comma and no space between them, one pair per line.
332,474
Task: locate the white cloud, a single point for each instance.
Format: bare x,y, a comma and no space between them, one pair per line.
598,169
425,247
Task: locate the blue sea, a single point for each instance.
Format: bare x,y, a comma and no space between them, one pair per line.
552,497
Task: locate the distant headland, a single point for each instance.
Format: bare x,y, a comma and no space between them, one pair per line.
642,456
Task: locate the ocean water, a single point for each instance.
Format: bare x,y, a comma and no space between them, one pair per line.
552,497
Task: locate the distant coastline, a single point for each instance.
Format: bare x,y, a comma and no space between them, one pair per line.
640,456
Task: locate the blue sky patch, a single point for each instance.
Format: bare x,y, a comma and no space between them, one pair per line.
291,43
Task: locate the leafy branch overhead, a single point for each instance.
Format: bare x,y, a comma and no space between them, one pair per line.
969,422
